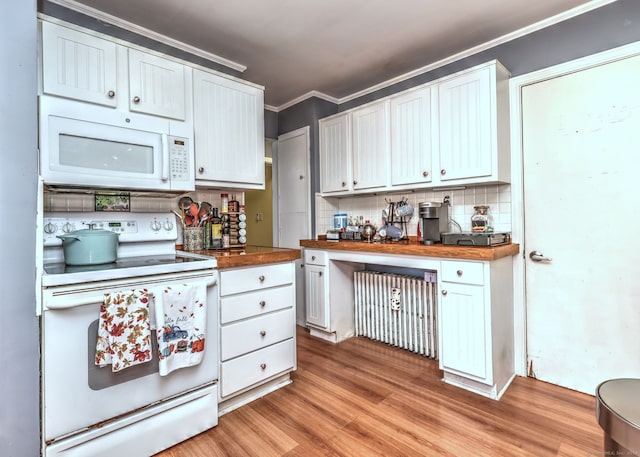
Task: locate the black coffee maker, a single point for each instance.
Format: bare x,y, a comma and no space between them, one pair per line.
434,221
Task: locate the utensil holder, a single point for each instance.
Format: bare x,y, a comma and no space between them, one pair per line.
193,238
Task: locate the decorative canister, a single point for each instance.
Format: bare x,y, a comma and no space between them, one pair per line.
480,219
193,238
340,221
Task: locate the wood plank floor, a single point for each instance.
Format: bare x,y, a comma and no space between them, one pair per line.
364,398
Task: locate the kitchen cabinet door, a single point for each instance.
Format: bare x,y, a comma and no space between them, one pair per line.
464,334
412,137
370,146
474,126
157,85
229,132
335,173
317,296
78,66
465,125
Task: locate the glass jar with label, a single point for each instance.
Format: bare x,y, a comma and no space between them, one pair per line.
480,221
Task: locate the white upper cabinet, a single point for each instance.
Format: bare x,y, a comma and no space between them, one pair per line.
229,132
370,146
453,131
78,66
413,137
157,85
335,173
474,126
83,67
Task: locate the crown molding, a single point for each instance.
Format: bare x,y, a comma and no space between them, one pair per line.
130,26
577,11
310,94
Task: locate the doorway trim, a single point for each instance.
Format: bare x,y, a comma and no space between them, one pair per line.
517,180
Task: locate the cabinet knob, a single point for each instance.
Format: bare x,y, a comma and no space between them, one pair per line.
444,292
263,366
425,174
262,303
355,183
263,333
201,170
261,279
136,99
319,273
313,257
111,93
459,272
301,176
344,184
443,172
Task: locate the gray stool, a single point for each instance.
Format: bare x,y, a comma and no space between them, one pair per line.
618,413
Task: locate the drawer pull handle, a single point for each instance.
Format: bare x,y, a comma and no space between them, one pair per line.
263,333
444,292
459,272
262,303
261,278
263,366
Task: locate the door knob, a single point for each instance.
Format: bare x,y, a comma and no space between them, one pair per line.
538,256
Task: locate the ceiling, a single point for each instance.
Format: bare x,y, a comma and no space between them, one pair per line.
336,47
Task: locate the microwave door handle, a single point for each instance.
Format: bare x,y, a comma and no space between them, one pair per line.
165,158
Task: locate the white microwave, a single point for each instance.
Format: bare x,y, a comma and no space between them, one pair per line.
90,146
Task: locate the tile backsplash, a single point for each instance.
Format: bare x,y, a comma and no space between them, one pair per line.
64,202
497,197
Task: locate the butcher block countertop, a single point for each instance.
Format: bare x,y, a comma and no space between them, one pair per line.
415,248
248,256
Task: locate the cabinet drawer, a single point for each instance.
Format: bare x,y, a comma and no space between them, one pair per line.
246,336
237,307
255,278
315,257
255,367
463,272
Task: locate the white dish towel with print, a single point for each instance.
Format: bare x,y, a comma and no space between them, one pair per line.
124,329
180,314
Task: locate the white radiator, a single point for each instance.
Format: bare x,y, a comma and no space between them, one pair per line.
398,310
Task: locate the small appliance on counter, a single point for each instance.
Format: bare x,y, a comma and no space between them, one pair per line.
434,221
476,238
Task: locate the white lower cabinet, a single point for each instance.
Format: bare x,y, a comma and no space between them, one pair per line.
257,332
329,310
476,325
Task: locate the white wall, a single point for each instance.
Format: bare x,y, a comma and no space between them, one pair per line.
19,360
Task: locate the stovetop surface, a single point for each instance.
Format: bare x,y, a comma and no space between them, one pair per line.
58,274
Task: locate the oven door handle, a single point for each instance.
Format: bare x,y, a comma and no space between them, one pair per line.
73,300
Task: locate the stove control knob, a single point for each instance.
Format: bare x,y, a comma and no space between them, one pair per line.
68,227
168,226
50,228
156,226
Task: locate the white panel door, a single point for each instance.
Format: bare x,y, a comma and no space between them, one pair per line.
156,85
581,163
412,134
335,173
466,113
294,201
78,66
370,146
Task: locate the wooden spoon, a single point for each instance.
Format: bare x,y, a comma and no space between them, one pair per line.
194,210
